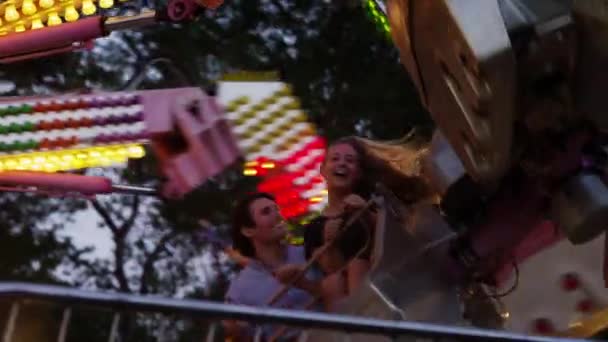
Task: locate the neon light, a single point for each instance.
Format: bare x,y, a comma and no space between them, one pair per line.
282,147
88,7
35,14
316,199
72,159
377,16
106,3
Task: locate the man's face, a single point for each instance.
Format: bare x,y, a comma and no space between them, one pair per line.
270,225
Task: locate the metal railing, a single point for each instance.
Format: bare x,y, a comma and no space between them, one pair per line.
121,303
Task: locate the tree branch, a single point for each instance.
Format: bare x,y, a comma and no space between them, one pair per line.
151,258
119,235
128,223
107,219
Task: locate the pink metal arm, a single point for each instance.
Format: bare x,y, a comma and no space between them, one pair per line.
62,182
55,39
66,37
190,136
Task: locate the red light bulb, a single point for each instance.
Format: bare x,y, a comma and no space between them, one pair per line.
570,282
543,326
585,306
212,4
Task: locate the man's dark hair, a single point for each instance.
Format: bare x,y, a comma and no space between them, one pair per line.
242,218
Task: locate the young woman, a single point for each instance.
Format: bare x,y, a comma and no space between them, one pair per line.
351,169
258,234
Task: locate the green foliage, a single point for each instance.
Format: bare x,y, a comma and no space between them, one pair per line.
31,251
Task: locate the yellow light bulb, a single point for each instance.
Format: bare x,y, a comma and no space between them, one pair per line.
77,164
136,151
54,19
37,24
19,28
10,13
88,7
28,7
106,3
50,167
71,14
64,165
105,161
46,3
10,164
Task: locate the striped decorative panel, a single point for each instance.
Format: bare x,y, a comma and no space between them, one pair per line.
70,132
279,143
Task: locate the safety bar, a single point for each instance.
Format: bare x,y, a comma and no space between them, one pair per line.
220,311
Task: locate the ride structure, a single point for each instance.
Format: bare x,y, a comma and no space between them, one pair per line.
195,136
518,158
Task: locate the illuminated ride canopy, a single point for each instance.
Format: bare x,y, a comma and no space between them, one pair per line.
32,29
279,143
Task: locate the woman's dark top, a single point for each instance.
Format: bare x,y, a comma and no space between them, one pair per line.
349,243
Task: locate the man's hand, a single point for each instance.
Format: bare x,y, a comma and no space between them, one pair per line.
331,229
237,257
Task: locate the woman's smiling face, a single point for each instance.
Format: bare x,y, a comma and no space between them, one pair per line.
341,168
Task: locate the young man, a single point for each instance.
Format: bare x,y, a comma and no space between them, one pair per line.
258,233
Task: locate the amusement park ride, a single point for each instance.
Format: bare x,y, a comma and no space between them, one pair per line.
518,159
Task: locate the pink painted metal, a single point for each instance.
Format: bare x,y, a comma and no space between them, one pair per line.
63,182
515,230
516,227
54,39
179,10
192,140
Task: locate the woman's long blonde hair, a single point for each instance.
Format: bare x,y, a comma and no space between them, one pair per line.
395,164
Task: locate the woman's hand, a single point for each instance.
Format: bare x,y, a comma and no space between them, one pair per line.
331,229
329,260
354,202
287,273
